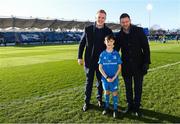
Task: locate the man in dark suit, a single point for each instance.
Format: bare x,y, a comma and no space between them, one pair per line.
93,41
136,59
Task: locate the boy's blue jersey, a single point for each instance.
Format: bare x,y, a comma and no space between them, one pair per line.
110,62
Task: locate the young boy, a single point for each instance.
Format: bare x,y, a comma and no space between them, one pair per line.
110,67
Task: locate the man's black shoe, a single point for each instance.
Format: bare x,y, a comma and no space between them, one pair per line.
138,114
127,110
85,107
100,103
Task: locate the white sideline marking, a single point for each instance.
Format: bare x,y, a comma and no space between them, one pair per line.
37,98
58,93
164,66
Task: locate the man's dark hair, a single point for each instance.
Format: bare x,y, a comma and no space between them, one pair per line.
110,37
124,15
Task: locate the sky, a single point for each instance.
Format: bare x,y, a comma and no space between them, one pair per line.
165,13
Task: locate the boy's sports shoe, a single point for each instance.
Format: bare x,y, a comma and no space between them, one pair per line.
105,111
115,114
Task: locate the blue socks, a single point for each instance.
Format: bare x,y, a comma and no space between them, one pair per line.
106,101
115,100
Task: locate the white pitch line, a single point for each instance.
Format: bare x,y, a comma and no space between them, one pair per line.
38,98
58,93
164,66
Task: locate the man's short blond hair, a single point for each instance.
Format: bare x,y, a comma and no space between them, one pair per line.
101,11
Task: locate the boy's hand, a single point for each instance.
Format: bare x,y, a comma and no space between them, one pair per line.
110,80
80,61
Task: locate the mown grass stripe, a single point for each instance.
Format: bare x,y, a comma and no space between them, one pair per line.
64,91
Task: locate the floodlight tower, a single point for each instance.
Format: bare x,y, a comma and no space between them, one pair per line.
149,9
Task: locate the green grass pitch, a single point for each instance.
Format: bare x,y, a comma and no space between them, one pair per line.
45,84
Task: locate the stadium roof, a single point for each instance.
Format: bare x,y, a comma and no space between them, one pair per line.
28,23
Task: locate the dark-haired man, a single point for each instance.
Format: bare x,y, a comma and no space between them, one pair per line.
136,59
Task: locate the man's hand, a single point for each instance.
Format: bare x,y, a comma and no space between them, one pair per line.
145,68
80,61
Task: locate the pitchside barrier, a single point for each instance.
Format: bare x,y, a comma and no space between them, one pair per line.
58,37
39,37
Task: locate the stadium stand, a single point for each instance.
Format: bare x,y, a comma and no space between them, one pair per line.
44,31
31,30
